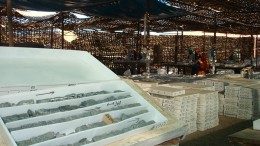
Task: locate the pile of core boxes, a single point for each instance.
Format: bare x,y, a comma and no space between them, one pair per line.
241,102
245,103
194,105
207,109
221,103
217,86
231,100
179,104
146,85
256,101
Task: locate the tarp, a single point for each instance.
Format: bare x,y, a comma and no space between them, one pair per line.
54,5
135,9
129,9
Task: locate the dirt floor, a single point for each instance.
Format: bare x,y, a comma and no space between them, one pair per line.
217,136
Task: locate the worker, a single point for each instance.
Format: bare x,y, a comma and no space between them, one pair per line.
197,54
195,66
203,64
191,55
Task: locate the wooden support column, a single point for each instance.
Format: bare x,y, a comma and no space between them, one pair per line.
62,31
214,43
0,27
176,47
138,38
226,47
204,41
251,48
182,50
138,45
147,36
52,36
241,49
10,23
256,50
214,40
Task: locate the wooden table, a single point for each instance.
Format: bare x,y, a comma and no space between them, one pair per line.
186,68
237,69
247,137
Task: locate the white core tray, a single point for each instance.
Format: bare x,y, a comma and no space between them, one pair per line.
66,127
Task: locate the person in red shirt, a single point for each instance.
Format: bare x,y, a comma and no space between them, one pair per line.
203,64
